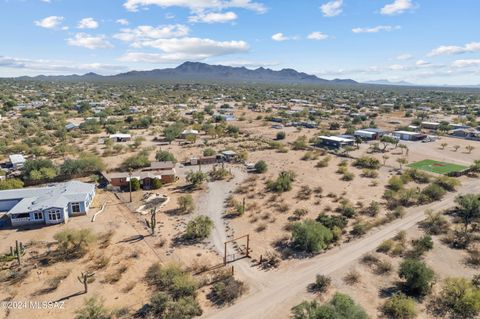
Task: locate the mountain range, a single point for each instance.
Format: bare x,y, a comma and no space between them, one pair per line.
189,72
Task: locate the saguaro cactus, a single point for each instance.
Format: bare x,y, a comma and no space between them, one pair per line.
152,223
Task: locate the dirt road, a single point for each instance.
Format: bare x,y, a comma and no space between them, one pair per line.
282,289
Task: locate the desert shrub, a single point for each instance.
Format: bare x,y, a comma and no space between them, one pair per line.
300,212
369,173
348,176
400,306
395,183
417,275
74,243
165,156
421,246
185,204
280,135
435,223
196,178
386,246
135,182
459,298
310,236
270,260
431,193
347,209
322,284
332,221
304,193
283,183
93,309
372,209
136,161
300,143
352,277
261,167
447,183
227,291
341,306
172,279
367,162
417,176
360,229
199,228
219,174
323,162
156,183
164,306
383,267
10,183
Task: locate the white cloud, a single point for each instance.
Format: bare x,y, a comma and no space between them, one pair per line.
87,23
317,36
89,41
49,22
376,29
146,32
453,49
56,67
466,63
332,8
403,57
182,49
397,7
122,21
422,63
197,5
213,17
280,37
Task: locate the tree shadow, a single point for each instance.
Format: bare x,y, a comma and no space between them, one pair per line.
132,239
70,296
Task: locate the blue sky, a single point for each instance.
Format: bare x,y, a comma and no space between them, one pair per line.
420,41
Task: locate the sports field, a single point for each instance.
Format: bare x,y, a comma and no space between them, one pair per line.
437,167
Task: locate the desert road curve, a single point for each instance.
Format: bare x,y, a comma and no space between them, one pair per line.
280,290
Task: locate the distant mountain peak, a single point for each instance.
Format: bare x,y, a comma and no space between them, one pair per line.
202,72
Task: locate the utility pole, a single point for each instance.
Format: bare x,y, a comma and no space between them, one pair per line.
130,183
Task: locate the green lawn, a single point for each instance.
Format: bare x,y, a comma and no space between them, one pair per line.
437,167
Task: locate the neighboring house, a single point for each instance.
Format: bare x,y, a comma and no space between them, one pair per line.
70,126
228,156
187,133
119,137
335,141
409,136
202,160
369,134
471,133
17,161
164,171
430,125
48,205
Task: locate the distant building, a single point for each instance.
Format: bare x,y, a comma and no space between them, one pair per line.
335,141
17,161
119,137
47,205
409,136
369,133
163,171
430,125
190,132
71,126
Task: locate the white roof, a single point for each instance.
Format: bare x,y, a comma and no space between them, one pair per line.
365,132
17,159
120,135
186,132
336,139
407,133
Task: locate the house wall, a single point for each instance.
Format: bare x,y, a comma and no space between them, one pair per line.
167,179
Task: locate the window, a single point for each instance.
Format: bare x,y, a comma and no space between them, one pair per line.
38,215
54,215
75,207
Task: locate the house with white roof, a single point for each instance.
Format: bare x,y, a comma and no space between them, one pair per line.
47,205
17,161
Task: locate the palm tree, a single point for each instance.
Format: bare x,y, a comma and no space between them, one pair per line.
443,145
469,148
456,147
